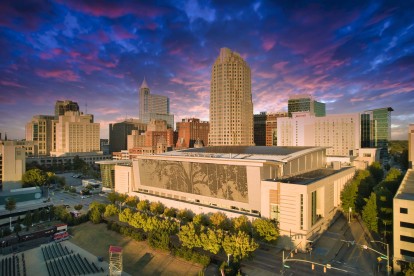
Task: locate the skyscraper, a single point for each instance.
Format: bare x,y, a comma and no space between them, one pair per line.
306,103
62,106
231,107
376,130
153,106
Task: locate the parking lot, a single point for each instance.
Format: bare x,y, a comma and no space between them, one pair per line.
61,197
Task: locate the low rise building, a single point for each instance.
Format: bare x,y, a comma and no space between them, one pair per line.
292,185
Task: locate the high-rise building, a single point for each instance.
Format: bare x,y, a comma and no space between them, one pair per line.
76,133
191,130
152,106
118,133
12,164
305,103
231,107
259,126
271,127
39,130
340,133
265,128
411,146
376,130
62,106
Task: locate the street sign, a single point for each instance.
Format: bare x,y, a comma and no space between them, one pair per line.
384,257
286,266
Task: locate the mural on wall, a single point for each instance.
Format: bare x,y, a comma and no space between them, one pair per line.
213,180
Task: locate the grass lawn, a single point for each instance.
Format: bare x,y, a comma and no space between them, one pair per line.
138,257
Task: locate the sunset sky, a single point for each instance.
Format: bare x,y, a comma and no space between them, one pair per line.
352,55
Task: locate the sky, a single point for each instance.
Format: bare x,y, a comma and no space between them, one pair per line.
352,55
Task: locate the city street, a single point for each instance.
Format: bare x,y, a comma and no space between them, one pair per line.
330,249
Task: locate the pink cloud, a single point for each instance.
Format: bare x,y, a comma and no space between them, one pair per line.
114,9
280,65
64,75
268,43
266,75
359,99
11,84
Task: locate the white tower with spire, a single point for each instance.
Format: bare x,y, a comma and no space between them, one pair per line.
144,96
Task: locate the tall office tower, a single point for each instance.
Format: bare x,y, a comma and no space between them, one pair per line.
340,133
265,128
153,106
376,130
191,130
271,127
118,133
76,133
231,107
259,126
411,146
62,106
12,164
305,103
39,130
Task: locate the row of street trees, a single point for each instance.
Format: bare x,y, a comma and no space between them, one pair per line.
370,195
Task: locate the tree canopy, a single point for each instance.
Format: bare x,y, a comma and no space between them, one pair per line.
370,213
34,177
10,204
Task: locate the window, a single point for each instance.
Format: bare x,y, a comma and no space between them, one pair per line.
406,224
407,253
406,239
403,210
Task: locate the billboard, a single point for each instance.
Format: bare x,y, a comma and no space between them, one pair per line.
212,180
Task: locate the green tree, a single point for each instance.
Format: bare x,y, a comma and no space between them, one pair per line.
34,177
112,197
170,212
157,208
185,215
111,210
370,213
348,196
95,216
189,235
126,215
376,171
219,220
409,271
131,201
201,219
159,239
239,245
265,230
392,180
28,220
212,240
78,207
10,204
241,223
143,205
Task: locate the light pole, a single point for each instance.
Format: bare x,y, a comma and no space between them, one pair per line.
388,256
228,260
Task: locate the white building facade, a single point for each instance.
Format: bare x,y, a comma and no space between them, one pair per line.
339,133
289,184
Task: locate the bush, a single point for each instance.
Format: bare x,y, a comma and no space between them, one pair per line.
159,239
190,255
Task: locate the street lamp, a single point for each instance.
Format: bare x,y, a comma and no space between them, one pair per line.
228,259
388,256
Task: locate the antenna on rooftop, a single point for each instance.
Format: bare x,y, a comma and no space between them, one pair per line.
86,107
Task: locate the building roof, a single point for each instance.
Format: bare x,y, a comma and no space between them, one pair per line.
406,189
21,191
144,84
280,154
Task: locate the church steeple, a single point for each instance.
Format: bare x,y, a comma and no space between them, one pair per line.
144,84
